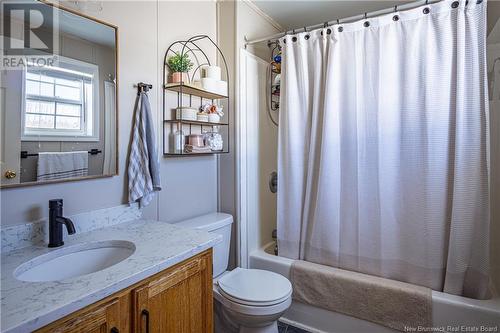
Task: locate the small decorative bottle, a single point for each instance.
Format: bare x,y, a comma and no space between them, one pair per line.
179,141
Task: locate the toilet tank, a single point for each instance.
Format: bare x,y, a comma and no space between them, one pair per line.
219,223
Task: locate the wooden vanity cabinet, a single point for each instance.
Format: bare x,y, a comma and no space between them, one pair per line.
176,300
110,315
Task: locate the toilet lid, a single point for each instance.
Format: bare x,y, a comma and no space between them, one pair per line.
255,286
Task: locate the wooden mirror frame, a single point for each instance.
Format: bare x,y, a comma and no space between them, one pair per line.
116,173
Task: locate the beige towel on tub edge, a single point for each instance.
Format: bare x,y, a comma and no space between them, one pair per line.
386,302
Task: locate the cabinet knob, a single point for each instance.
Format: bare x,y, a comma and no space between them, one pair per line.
10,174
114,330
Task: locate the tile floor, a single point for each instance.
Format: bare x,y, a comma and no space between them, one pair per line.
284,328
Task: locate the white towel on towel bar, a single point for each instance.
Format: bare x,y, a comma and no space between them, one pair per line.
143,164
62,165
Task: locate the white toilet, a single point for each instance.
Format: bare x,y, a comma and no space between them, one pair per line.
251,300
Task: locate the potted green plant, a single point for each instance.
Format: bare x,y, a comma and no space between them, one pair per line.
180,64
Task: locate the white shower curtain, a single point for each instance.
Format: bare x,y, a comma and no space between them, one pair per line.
383,148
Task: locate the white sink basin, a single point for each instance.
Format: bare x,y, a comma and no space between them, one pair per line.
76,260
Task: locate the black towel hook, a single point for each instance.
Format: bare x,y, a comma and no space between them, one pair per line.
365,16
395,8
143,87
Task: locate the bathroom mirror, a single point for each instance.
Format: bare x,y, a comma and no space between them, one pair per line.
58,95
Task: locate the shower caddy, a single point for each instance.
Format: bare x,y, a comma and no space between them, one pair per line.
186,91
273,88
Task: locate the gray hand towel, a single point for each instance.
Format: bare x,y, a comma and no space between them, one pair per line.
143,164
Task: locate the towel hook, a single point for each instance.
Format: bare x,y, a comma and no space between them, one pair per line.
395,8
143,87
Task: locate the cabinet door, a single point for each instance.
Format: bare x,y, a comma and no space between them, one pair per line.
177,301
101,318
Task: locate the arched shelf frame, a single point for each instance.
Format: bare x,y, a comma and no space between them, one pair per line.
192,47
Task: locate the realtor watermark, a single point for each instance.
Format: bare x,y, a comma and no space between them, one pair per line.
452,328
30,34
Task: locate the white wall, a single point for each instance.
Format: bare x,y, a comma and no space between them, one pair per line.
237,20
262,215
146,28
226,36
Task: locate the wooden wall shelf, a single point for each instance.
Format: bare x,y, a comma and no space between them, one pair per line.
189,89
197,96
194,122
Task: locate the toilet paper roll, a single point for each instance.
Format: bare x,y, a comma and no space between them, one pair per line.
221,87
209,84
214,118
213,72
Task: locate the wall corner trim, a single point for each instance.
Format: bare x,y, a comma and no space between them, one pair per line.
268,18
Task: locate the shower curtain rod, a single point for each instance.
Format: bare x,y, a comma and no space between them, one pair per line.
373,14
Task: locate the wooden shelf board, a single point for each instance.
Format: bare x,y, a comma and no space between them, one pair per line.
193,154
194,122
193,90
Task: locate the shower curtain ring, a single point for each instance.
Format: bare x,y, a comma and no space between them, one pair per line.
325,24
426,2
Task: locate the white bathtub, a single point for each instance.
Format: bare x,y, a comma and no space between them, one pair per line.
450,313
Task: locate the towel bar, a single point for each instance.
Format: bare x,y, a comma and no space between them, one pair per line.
24,153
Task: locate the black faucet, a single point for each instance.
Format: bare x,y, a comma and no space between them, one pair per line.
56,220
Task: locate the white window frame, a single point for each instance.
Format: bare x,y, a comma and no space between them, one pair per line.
67,135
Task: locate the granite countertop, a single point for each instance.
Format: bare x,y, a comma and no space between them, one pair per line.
27,306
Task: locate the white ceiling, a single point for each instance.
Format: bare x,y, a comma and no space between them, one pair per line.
292,14
77,26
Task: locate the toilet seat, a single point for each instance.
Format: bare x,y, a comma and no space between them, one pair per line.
254,287
250,310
